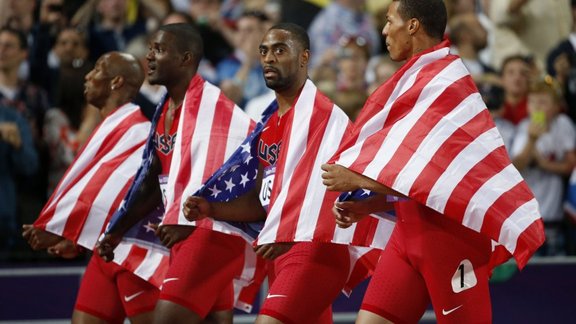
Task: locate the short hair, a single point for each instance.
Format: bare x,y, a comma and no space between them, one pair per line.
528,60
430,13
297,31
23,42
187,38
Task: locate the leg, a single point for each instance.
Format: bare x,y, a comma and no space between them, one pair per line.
139,297
307,280
396,293
98,300
219,317
202,267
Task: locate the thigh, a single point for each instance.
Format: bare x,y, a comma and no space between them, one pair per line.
98,295
396,292
457,274
138,296
307,280
203,267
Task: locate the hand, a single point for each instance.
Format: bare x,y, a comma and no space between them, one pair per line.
196,208
106,246
10,134
172,234
273,250
39,239
65,249
339,178
344,215
536,129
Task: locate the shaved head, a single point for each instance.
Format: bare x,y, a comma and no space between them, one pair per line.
126,66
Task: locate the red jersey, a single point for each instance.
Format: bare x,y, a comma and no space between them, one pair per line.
516,113
271,141
165,140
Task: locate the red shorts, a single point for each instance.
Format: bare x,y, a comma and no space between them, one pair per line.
202,270
305,281
112,293
431,258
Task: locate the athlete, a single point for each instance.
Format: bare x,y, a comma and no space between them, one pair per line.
203,263
305,274
108,293
426,144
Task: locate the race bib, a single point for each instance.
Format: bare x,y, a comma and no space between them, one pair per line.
163,181
267,182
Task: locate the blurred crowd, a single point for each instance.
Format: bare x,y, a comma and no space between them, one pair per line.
521,53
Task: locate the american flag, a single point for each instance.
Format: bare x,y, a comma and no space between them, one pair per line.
427,134
210,128
98,178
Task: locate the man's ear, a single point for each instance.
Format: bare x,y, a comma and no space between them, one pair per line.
413,26
304,58
188,58
117,82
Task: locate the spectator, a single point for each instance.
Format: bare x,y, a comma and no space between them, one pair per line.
528,27
240,76
469,37
32,103
17,157
341,18
561,64
544,151
380,68
493,96
516,74
108,26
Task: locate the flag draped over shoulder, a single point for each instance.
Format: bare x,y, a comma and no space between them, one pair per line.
300,207
210,128
427,134
98,178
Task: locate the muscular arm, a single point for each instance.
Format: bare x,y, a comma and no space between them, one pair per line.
246,208
339,178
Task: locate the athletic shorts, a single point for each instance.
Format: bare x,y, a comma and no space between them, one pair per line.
305,281
201,272
431,258
112,293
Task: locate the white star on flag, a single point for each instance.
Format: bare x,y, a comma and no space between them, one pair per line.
229,184
149,227
214,191
244,179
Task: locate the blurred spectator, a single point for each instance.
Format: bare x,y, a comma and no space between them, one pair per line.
17,157
544,151
215,31
528,27
469,37
300,12
561,64
108,26
493,96
459,7
17,14
240,76
516,74
380,68
32,103
341,18
352,59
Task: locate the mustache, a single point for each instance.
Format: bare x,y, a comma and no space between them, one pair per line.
271,69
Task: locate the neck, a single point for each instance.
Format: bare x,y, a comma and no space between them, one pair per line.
287,98
9,78
422,43
176,93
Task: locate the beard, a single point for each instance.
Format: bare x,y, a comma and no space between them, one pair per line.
279,83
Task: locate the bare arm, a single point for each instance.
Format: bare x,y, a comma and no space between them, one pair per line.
339,178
